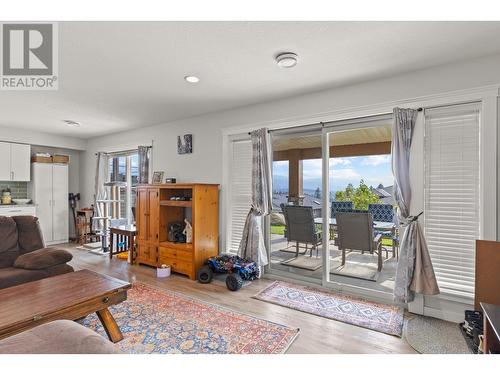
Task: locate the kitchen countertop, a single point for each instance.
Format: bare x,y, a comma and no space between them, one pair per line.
18,205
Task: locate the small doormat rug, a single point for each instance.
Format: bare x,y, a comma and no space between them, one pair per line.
434,336
360,266
376,316
305,262
157,321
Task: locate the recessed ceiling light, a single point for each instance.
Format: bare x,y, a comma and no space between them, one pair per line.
71,123
192,79
286,60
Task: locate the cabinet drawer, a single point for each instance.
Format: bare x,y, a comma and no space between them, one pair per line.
176,254
17,211
146,254
177,265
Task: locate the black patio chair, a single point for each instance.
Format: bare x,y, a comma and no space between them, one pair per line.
301,227
355,232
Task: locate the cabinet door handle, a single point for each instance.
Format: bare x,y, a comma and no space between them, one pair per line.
12,175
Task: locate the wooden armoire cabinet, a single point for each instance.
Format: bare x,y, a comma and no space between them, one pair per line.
157,206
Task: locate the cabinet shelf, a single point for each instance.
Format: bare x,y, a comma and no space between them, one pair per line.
177,245
176,203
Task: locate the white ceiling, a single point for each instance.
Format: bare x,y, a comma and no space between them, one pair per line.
123,75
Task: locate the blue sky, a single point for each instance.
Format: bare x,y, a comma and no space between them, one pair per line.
374,169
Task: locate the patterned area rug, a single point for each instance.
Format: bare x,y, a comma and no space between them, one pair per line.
379,317
157,321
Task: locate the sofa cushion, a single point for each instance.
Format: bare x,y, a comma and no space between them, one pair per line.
58,337
13,276
43,258
9,250
29,233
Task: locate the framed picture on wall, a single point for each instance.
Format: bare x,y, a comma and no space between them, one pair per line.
157,177
185,144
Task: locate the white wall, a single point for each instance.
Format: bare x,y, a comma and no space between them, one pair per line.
205,164
11,134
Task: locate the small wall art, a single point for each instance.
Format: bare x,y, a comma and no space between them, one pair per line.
185,144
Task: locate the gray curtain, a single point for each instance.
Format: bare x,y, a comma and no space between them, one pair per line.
101,176
414,273
252,244
144,153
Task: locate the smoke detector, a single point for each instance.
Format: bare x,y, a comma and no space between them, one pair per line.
287,60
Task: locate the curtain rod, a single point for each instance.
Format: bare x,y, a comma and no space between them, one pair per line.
420,109
121,152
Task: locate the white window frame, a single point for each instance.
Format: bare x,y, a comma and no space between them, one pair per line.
128,176
470,106
227,186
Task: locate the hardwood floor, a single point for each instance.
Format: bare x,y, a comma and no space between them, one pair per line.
317,334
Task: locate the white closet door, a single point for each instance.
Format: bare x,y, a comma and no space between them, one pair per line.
4,161
42,196
60,203
20,162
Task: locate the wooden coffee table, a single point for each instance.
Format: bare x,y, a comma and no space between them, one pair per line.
69,296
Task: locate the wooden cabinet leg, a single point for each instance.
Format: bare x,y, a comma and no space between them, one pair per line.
110,326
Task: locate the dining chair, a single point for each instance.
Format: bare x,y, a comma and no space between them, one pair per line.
385,213
341,206
301,228
355,232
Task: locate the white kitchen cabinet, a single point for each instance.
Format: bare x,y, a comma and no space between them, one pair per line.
49,191
20,167
15,162
5,161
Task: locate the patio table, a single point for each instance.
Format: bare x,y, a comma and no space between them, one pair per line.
378,225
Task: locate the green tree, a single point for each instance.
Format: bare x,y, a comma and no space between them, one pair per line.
361,196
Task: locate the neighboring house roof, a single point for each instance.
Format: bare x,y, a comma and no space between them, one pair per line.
385,193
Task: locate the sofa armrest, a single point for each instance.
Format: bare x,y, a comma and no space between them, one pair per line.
43,258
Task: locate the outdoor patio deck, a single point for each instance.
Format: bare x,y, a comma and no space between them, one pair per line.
358,270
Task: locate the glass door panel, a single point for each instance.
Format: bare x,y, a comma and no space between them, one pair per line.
361,244
295,235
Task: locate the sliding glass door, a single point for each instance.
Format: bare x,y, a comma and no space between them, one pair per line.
359,208
317,172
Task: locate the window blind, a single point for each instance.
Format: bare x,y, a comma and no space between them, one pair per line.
452,194
240,192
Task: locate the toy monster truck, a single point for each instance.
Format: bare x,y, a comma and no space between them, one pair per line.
238,270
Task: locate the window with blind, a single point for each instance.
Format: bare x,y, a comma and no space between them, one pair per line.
240,192
452,188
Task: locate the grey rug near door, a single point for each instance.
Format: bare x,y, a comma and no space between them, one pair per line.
293,250
360,266
305,262
434,336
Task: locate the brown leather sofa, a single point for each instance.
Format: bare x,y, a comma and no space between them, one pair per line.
58,337
23,255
